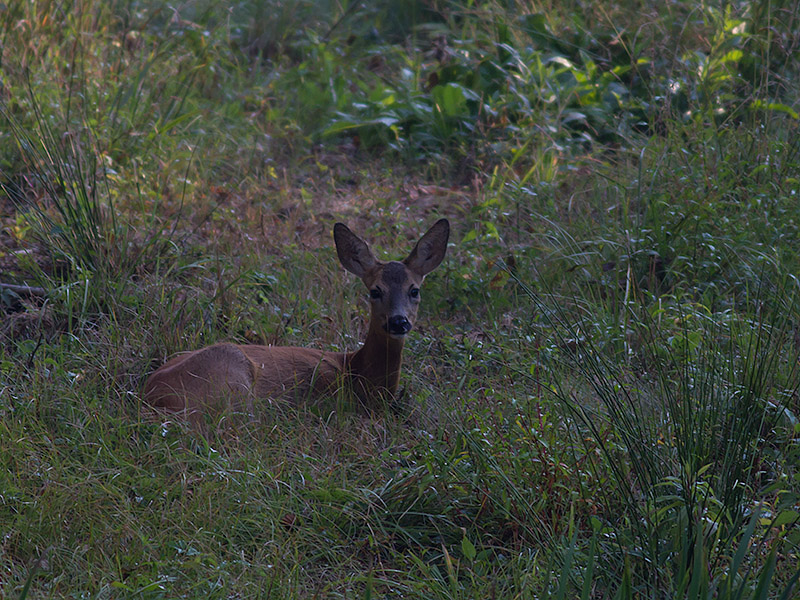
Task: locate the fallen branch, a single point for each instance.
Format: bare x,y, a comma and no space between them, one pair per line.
23,290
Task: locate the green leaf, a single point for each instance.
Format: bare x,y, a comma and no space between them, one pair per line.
468,549
775,106
451,98
785,517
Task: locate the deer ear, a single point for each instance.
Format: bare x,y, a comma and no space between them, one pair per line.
430,249
354,254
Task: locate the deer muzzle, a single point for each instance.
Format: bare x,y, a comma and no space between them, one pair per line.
397,325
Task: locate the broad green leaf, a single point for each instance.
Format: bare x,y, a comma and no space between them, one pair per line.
451,99
468,549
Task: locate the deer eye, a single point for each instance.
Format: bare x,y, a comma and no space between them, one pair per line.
414,292
376,294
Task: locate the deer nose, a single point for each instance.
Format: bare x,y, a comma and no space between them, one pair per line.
398,325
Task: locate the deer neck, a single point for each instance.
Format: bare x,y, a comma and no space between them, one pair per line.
375,367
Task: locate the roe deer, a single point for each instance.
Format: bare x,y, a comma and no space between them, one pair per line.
218,375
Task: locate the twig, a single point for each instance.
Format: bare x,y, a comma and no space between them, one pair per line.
344,15
33,352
